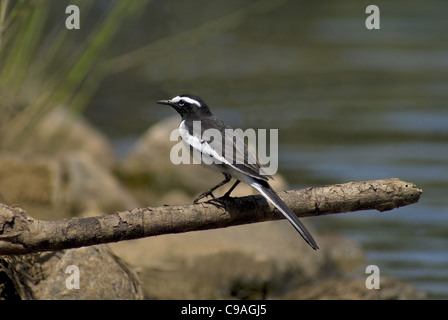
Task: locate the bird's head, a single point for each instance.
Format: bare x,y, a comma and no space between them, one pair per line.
188,106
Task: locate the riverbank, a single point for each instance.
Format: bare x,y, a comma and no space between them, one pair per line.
68,169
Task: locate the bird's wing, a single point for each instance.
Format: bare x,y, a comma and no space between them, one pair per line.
230,149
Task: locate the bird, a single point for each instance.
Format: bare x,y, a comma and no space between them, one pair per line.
194,109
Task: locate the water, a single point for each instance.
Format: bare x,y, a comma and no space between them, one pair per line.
350,105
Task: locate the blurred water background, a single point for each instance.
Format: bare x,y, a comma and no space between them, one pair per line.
350,104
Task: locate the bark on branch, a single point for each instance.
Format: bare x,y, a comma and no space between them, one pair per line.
21,234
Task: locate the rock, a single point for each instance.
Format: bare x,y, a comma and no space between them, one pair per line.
345,252
350,289
58,187
89,187
43,276
29,179
262,260
60,167
58,132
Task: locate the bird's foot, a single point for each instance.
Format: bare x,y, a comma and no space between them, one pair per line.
203,195
218,202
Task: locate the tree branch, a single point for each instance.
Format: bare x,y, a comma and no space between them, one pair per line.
21,234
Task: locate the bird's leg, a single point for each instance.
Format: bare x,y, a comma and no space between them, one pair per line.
221,202
209,192
227,194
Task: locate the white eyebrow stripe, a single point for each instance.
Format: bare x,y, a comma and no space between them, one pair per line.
186,99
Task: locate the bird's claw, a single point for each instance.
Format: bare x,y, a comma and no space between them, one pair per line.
203,195
218,202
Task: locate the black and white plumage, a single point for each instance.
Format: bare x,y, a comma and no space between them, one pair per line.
193,109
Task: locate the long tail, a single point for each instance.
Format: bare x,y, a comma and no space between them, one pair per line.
265,189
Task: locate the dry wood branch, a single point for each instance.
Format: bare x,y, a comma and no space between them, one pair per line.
21,234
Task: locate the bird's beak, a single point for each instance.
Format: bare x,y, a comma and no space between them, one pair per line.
167,102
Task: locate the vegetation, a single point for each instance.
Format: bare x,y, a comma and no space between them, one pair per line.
43,65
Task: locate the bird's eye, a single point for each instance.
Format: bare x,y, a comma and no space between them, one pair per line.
181,103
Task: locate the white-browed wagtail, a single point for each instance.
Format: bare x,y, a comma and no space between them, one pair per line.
193,109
